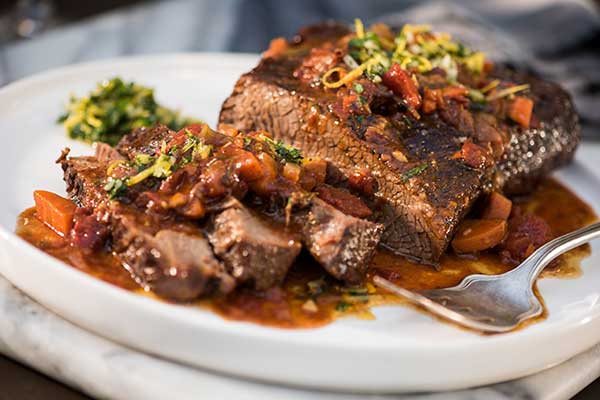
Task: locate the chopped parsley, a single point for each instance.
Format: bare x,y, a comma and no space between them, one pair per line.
356,291
113,109
342,306
197,146
414,172
358,88
284,151
115,187
141,160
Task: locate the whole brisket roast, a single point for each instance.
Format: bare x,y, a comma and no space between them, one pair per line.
423,190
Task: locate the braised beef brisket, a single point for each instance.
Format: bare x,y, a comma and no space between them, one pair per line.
171,258
423,189
190,234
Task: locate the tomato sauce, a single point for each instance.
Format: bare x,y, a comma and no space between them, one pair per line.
309,298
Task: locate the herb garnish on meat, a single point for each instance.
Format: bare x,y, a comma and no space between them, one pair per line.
115,187
113,109
283,151
414,172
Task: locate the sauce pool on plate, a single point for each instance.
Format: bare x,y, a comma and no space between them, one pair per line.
308,298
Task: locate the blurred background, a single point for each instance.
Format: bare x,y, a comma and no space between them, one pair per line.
559,39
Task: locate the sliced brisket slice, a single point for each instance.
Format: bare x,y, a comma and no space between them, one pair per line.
174,259
425,192
174,263
342,244
252,249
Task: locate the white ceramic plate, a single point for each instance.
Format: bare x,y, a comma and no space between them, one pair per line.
401,350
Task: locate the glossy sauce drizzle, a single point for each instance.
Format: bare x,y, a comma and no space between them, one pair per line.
309,298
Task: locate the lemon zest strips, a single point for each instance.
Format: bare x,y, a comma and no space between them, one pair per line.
490,86
344,78
507,92
359,27
113,165
160,169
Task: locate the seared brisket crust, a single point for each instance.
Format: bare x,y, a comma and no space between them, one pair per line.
535,152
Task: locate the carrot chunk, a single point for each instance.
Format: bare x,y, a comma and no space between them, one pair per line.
479,234
498,207
520,110
54,211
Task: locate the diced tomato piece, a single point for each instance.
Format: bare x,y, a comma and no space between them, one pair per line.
520,110
432,98
526,232
229,130
474,155
54,211
400,82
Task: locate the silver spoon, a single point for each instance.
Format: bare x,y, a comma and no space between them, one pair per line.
495,303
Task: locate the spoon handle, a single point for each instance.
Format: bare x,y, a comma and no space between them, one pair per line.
540,258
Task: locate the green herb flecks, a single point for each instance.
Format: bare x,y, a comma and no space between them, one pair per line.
342,306
161,168
113,109
196,147
283,151
358,88
414,172
141,160
115,187
355,295
415,48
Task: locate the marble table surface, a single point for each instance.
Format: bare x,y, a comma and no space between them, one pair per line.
94,365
